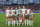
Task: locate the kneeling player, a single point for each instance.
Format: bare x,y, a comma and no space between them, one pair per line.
16,17
31,18
13,20
20,18
28,19
10,15
25,16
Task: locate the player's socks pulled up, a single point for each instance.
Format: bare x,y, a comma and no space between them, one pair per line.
32,23
27,22
8,23
22,24
17,22
12,23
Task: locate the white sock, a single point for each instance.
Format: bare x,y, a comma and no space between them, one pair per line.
8,23
25,22
32,23
22,24
29,22
17,22
12,23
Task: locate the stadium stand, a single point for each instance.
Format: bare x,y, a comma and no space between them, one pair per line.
30,1
36,1
19,1
35,7
26,1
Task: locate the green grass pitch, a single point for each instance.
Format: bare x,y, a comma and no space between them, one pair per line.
36,20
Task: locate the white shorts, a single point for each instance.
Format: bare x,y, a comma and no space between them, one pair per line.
10,15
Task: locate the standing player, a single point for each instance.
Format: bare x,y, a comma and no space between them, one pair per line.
7,12
28,19
13,20
23,11
16,15
31,18
19,9
20,17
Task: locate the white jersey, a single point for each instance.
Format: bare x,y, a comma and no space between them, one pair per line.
16,15
28,11
12,11
31,14
10,15
16,11
25,14
20,14
23,10
7,11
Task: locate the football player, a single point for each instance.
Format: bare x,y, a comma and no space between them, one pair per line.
16,11
13,20
28,19
16,17
25,17
23,11
19,9
7,12
10,16
31,18
20,18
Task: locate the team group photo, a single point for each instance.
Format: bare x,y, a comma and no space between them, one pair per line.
19,13
22,16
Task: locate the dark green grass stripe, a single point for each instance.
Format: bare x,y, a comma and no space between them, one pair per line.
36,20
